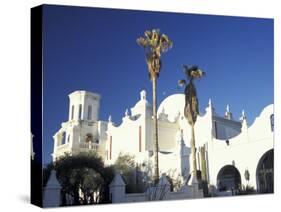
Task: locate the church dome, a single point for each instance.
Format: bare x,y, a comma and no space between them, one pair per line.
172,105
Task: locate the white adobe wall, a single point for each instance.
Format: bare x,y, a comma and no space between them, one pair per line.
167,133
125,138
244,151
175,163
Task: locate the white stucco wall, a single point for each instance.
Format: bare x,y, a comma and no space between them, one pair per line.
244,151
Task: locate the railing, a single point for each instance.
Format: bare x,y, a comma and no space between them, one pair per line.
89,145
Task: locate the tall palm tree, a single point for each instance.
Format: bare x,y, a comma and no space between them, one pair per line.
154,44
191,106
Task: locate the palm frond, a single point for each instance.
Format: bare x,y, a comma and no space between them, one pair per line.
142,42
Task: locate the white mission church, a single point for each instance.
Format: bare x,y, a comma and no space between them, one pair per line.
230,154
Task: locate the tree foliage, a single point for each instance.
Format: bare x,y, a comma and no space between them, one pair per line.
125,164
86,179
81,176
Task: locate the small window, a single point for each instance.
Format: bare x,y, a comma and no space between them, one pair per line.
63,138
80,112
68,138
272,122
89,112
72,112
89,138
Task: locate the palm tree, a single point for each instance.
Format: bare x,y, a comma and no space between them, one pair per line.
191,106
154,44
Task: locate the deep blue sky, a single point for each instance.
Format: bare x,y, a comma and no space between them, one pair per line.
95,50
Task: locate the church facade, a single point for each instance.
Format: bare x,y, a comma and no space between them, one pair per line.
230,154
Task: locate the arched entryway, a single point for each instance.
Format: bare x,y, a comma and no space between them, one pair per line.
228,179
264,173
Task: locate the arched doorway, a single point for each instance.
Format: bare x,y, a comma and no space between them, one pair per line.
265,172
228,179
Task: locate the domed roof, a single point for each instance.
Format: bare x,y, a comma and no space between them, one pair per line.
172,105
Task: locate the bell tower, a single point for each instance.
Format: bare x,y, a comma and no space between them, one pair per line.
83,105
82,130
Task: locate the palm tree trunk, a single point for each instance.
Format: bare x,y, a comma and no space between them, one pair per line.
155,133
193,152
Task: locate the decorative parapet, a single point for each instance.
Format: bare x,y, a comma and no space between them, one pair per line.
163,116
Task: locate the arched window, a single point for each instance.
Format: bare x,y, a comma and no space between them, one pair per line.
89,112
228,179
265,173
272,122
63,138
80,112
72,112
89,138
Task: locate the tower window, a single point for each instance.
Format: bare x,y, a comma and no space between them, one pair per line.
72,112
89,112
80,112
63,138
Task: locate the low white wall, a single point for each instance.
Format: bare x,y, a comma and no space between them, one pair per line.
136,197
159,192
